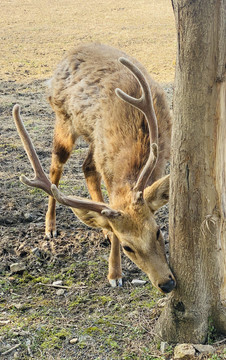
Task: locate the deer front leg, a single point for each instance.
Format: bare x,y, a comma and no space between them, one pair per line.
115,268
63,143
93,181
55,175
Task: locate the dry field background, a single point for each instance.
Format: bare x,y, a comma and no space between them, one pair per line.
87,319
35,33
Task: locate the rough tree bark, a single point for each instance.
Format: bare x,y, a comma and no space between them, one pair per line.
198,175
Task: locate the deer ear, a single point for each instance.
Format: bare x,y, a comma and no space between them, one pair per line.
157,194
92,218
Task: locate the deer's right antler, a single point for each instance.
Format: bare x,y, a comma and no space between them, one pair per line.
41,181
144,104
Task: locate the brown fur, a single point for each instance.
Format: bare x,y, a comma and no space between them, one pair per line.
82,94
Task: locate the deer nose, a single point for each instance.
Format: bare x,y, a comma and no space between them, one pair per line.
168,286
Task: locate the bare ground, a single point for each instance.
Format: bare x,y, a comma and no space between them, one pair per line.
35,318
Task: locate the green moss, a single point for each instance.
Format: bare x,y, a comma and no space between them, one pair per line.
79,151
24,278
103,299
82,345
92,263
35,191
104,190
69,282
53,339
215,357
5,285
93,330
80,299
110,340
42,279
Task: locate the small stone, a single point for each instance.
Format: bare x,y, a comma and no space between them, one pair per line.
204,349
58,282
28,216
163,347
137,282
73,341
18,306
184,351
60,292
17,268
36,251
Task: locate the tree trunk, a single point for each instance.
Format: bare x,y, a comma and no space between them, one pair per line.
198,175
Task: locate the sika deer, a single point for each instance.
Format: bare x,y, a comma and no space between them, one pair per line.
129,146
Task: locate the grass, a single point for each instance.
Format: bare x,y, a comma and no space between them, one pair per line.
50,321
116,322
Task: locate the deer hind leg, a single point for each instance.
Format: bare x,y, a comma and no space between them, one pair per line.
63,142
93,180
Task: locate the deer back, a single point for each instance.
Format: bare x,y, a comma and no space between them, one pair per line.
82,93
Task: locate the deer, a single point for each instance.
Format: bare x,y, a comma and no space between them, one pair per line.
108,98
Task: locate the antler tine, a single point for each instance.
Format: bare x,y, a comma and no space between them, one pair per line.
77,203
145,104
40,180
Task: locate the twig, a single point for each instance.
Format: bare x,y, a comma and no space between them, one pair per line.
146,330
55,286
114,323
29,350
220,342
10,350
4,322
63,286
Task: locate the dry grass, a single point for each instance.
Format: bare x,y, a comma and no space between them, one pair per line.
35,34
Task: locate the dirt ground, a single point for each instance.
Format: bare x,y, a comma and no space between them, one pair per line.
86,319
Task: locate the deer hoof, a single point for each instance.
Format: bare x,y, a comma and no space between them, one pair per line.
114,282
51,234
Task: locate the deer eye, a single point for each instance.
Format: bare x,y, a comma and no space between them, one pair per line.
127,248
158,233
